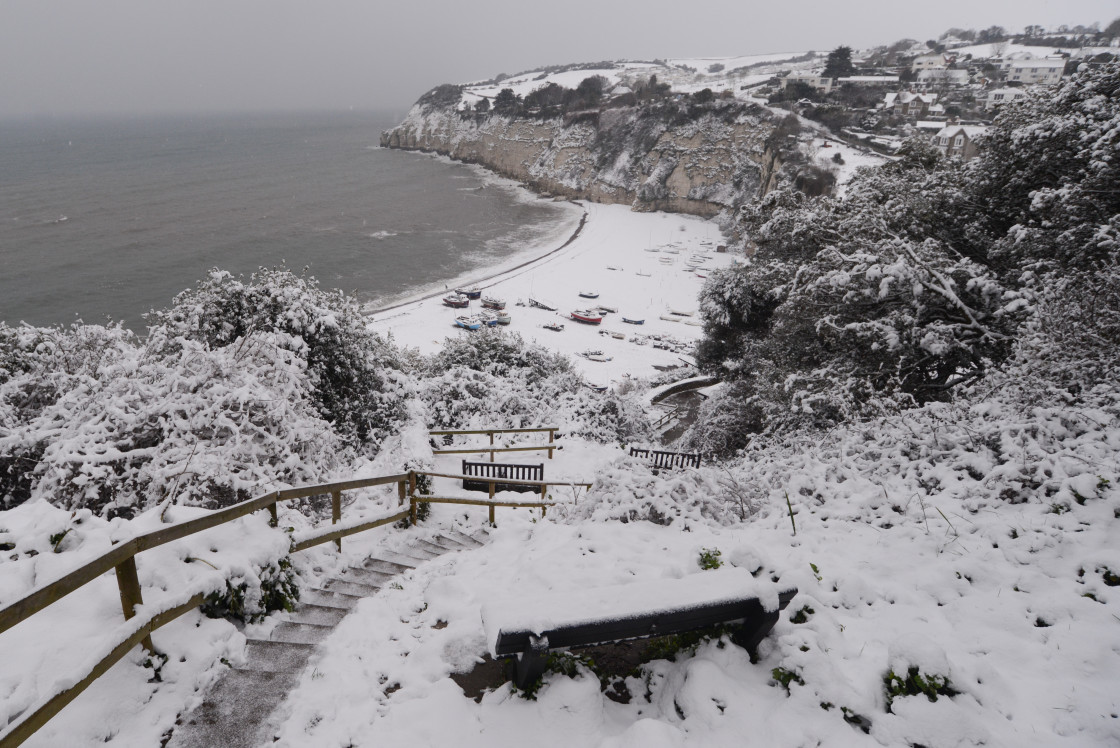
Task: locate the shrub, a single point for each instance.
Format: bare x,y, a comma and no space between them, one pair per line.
248,600
709,558
915,683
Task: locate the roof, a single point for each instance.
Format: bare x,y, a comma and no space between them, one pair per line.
869,79
971,131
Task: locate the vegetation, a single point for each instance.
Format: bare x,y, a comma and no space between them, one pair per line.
915,683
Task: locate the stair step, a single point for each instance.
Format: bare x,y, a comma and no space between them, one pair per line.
372,577
356,589
234,710
328,599
407,557
452,544
462,536
321,615
386,567
431,547
299,633
276,657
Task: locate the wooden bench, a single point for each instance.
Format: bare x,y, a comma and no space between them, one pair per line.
660,460
509,474
527,628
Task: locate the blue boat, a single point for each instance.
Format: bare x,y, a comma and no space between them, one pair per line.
468,323
633,321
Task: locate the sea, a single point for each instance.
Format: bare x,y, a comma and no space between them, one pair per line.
105,219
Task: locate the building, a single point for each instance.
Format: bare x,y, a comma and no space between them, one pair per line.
997,96
813,80
909,104
927,62
1044,71
943,77
868,80
958,140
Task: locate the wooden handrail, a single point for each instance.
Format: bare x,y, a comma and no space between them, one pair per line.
491,450
494,431
502,480
337,533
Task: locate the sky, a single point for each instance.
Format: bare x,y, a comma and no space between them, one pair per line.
74,57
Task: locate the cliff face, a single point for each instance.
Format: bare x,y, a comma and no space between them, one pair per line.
644,156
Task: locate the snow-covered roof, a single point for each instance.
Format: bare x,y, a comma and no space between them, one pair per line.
869,79
970,131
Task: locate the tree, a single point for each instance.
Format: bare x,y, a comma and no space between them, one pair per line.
1113,29
839,63
483,106
992,34
506,103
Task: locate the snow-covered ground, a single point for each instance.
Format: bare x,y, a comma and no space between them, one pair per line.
639,263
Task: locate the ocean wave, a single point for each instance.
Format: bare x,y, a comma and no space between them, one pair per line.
382,234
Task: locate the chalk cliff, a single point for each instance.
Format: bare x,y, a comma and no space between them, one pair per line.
653,156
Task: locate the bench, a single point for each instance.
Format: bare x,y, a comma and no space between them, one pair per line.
486,471
660,460
528,628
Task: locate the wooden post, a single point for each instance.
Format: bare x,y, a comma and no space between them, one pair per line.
491,446
412,497
492,522
402,491
491,485
544,491
551,435
336,513
275,521
128,582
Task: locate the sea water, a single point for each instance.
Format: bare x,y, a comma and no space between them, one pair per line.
108,219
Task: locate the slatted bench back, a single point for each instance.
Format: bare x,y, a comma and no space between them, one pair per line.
661,460
509,474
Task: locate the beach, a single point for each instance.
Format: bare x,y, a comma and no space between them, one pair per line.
646,266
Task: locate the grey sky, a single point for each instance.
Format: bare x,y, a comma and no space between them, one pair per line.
60,57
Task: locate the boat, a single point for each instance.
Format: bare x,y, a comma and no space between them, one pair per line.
607,309
504,318
493,302
489,318
470,293
596,356
456,300
597,387
554,326
468,323
587,317
667,318
618,336
679,313
589,294
630,321
540,304
644,275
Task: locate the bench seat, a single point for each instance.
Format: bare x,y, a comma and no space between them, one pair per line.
528,627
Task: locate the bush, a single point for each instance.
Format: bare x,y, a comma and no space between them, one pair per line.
248,600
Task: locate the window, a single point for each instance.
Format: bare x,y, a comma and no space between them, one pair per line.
959,141
997,97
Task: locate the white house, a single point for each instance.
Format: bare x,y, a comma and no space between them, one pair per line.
997,96
943,77
814,80
927,62
1041,70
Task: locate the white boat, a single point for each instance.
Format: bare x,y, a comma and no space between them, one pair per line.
468,323
493,302
589,294
607,309
554,326
596,356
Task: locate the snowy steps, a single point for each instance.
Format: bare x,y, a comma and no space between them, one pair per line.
235,711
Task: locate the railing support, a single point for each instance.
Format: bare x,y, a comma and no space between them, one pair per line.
492,485
275,521
128,582
412,497
551,438
402,492
491,446
336,513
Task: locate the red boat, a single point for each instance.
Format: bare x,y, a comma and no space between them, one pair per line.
587,317
457,301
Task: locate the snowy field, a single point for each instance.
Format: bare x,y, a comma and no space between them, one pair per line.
647,266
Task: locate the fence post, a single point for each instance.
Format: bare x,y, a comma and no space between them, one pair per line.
544,491
412,497
402,491
275,518
336,513
128,582
491,485
491,446
551,434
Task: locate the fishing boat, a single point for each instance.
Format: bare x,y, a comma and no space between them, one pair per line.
493,302
587,317
541,304
468,323
504,318
667,318
679,313
597,387
488,318
607,309
618,336
595,356
589,294
456,300
630,321
554,326
470,293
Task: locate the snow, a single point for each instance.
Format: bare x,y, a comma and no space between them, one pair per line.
611,254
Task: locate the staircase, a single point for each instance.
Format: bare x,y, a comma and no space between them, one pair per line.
235,712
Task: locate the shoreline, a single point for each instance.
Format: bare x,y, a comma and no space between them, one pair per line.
495,277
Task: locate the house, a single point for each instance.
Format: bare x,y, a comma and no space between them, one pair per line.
909,104
1044,71
868,80
927,62
814,80
997,96
942,77
958,140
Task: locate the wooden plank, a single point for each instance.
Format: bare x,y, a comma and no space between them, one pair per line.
487,502
340,533
41,597
495,431
191,526
484,450
29,722
537,483
336,514
302,492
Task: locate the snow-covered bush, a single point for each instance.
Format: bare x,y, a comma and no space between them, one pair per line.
352,370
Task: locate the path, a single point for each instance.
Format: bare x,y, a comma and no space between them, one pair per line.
235,712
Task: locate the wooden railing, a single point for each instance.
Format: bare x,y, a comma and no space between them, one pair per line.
122,559
492,449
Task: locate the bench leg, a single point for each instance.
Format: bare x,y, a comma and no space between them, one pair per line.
531,662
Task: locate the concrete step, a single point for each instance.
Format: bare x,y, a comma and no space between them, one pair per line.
234,711
345,586
463,538
407,557
321,615
433,547
372,577
299,633
452,544
328,599
276,657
